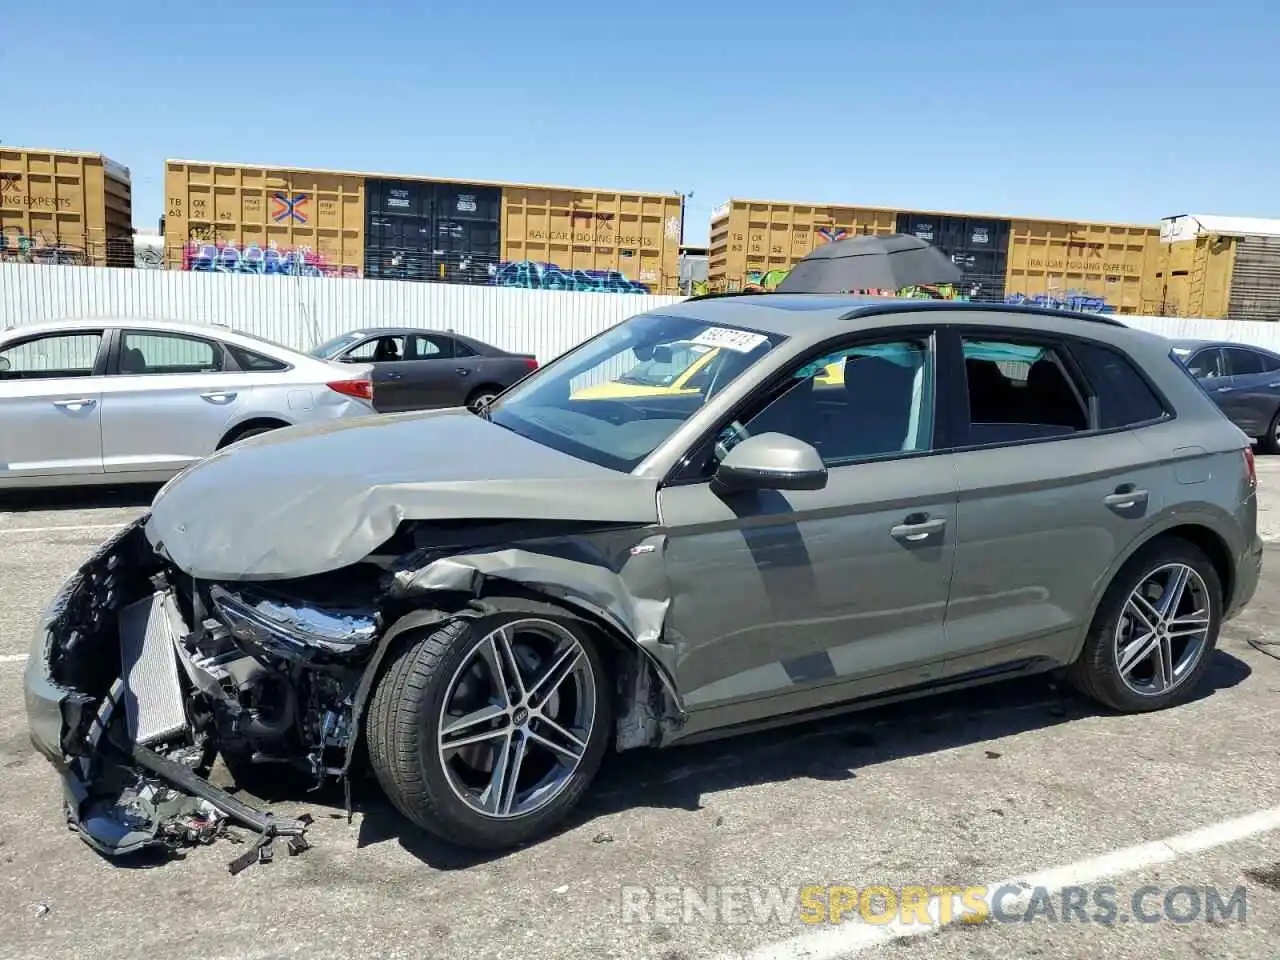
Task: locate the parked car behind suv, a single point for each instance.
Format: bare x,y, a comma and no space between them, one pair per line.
482,605
136,401
1241,379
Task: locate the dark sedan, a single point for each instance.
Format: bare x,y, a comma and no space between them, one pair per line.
1243,380
417,369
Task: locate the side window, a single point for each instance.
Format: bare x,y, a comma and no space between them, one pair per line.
1270,362
156,353
1206,364
1124,397
249,361
377,350
51,357
460,349
854,404
1019,391
432,348
1241,362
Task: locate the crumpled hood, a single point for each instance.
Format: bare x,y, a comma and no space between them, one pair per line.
304,500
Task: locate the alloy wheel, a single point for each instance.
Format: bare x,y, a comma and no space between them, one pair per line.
517,717
482,401
1163,629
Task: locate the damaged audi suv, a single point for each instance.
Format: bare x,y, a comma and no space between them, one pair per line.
476,606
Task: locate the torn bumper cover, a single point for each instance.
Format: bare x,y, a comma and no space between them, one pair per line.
95,697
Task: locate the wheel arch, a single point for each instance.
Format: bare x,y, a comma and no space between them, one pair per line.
237,430
1199,530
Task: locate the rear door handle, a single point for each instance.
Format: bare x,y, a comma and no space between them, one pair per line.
1126,500
915,530
218,396
82,402
462,371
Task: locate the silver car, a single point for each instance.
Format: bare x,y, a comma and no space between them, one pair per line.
861,501
115,401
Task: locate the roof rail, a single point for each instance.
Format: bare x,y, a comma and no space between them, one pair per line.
727,293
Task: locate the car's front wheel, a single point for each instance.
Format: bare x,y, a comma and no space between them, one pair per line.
487,731
1155,631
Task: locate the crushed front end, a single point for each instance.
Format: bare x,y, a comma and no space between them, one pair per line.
140,677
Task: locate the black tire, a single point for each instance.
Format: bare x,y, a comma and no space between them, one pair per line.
403,722
237,436
1096,672
489,390
1269,442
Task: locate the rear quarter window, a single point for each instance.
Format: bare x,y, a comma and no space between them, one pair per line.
1125,398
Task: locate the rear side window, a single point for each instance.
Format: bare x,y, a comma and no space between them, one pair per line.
1241,362
247,360
1124,398
1019,391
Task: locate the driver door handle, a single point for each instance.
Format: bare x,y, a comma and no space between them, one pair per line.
394,376
917,527
75,404
1224,389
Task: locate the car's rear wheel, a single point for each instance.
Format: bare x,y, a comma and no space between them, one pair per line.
481,397
1155,632
1269,442
487,731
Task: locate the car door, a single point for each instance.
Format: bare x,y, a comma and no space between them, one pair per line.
446,372
784,601
1253,392
393,371
1049,493
168,399
51,404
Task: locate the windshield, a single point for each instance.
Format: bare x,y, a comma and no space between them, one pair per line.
330,347
568,405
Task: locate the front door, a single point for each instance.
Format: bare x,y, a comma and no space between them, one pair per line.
1053,486
784,601
51,405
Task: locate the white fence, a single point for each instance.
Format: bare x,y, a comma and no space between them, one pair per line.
302,311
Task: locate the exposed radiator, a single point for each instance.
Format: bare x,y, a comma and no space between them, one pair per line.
149,668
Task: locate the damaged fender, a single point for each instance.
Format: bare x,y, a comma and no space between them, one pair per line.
632,603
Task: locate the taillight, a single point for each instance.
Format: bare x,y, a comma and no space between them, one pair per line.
531,363
1251,465
360,389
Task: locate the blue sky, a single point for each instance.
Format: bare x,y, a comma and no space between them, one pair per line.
1128,110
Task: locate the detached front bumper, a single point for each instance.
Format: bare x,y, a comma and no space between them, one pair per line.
58,687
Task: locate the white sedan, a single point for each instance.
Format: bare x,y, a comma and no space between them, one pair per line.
123,401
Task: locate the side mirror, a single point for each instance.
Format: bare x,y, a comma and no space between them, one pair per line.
770,461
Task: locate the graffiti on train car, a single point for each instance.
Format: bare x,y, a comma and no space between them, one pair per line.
225,256
535,275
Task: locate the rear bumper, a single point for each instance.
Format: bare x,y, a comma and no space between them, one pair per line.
1248,561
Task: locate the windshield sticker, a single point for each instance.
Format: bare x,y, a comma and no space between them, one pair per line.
742,341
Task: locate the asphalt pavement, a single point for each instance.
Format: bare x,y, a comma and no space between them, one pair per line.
711,851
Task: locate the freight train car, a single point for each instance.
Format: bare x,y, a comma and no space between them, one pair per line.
1096,266
231,218
60,206
1215,266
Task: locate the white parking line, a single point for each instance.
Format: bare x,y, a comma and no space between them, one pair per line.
855,936
72,527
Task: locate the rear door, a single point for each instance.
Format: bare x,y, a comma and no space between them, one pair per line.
1253,389
444,372
51,404
167,401
1053,485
